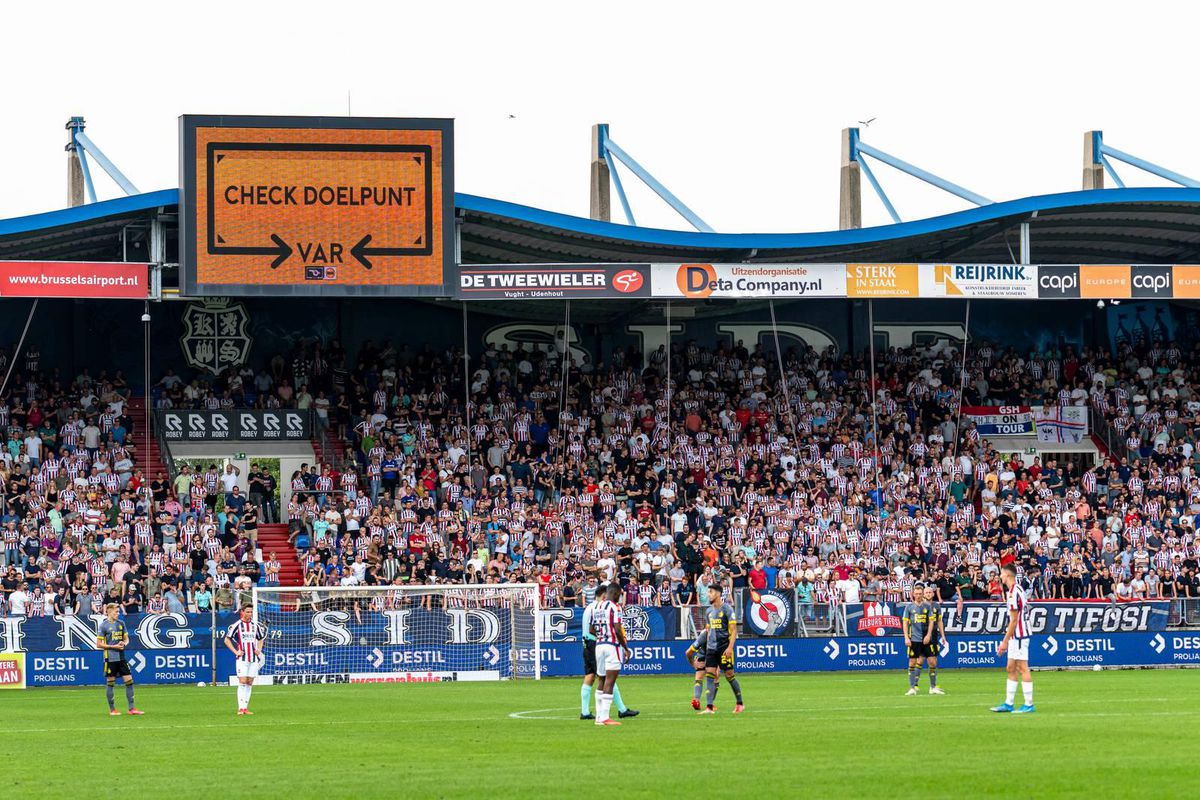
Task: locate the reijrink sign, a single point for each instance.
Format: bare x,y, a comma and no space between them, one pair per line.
315,205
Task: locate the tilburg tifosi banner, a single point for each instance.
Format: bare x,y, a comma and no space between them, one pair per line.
986,617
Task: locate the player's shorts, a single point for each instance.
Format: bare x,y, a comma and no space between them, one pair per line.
717,658
248,669
589,656
608,658
116,669
922,650
1018,649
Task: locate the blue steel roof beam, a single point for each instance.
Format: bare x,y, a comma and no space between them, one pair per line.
119,177
81,154
878,190
917,172
1112,172
660,190
1149,166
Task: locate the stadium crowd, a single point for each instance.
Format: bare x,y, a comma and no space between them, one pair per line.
667,471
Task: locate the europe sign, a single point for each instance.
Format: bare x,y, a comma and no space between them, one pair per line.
315,205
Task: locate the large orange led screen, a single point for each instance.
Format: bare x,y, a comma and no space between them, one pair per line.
315,205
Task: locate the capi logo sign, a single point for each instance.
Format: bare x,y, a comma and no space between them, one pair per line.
1058,281
1151,280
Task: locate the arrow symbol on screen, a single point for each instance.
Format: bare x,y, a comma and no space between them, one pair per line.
282,253
281,250
362,253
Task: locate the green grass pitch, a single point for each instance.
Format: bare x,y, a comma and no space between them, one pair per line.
1095,735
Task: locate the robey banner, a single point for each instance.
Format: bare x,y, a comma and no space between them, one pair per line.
223,425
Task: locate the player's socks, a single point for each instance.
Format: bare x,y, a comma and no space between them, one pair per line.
603,706
585,699
249,688
697,688
243,698
1027,690
737,690
616,699
711,684
914,676
1010,692
933,677
112,704
129,695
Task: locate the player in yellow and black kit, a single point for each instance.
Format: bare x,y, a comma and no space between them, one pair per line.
937,635
719,649
112,639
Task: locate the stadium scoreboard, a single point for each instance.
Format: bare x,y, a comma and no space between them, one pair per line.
285,206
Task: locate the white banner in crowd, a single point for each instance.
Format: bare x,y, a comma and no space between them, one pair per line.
1061,423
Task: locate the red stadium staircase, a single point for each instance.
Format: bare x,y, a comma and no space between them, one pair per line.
148,458
326,451
274,538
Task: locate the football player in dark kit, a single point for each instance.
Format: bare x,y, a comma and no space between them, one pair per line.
722,637
112,638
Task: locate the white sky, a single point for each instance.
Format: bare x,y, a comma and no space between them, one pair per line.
735,106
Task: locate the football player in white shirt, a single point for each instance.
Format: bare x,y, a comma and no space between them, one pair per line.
589,664
611,644
244,638
1016,642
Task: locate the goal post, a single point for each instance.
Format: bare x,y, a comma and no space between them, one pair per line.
400,634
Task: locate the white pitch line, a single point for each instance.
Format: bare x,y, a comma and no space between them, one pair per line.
981,712
826,713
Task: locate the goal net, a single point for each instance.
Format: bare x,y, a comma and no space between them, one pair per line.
399,634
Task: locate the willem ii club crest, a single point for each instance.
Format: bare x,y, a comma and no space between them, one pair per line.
215,337
878,620
637,623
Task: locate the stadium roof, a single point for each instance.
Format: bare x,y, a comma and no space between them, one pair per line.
1139,225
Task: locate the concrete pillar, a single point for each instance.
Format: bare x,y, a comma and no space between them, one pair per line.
75,195
850,204
74,179
1093,173
600,205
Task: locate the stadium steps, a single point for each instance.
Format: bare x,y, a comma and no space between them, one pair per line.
274,537
324,454
147,455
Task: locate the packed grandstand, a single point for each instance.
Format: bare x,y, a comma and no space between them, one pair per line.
670,470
